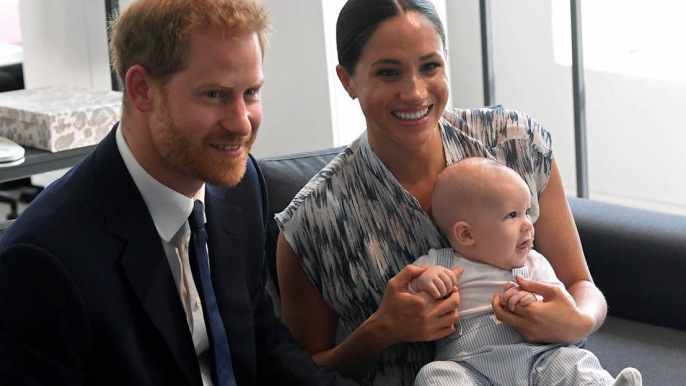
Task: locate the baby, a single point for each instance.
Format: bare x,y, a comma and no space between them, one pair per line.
483,208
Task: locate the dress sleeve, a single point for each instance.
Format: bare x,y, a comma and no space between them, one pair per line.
540,143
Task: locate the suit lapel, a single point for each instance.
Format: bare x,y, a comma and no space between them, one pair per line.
228,259
152,281
227,264
143,260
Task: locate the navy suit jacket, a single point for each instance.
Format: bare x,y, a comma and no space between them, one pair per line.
87,295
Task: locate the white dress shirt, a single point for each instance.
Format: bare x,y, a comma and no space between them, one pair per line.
170,210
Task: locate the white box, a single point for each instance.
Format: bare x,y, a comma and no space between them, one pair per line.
59,117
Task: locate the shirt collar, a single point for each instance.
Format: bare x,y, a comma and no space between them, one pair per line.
169,209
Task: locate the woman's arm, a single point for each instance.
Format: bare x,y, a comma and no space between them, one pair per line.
401,317
556,319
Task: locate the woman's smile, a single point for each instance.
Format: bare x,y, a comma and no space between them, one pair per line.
411,116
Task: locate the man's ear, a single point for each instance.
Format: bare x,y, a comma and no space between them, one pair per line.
462,232
346,81
139,88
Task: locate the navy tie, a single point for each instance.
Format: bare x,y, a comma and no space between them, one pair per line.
199,260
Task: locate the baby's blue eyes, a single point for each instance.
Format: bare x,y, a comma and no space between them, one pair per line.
514,214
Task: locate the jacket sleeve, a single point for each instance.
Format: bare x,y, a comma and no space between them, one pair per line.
44,331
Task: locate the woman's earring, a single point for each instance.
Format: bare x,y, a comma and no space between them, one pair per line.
353,96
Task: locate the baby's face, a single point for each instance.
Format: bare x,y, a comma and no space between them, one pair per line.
503,230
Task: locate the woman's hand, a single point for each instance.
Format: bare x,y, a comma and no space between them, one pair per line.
554,319
407,317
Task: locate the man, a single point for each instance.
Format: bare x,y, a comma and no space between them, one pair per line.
101,278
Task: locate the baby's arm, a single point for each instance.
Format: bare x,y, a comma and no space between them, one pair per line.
514,295
438,281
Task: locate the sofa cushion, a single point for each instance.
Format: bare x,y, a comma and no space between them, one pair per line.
637,257
659,353
285,176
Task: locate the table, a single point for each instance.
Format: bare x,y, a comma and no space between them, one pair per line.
41,161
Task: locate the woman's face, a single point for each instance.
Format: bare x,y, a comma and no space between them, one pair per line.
401,82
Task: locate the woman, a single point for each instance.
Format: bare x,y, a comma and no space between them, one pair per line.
349,235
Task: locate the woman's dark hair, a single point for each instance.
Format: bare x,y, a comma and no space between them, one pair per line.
359,19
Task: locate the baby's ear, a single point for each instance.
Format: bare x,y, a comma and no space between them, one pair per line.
462,233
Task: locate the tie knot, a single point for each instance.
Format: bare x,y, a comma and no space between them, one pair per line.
197,219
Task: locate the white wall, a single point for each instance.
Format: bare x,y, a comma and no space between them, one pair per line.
464,53
65,43
295,97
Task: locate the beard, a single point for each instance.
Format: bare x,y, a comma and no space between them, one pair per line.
196,159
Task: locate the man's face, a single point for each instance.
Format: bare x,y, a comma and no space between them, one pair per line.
206,116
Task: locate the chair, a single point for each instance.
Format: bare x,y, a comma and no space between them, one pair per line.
18,191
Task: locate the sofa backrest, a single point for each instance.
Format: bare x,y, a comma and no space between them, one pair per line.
637,258
285,176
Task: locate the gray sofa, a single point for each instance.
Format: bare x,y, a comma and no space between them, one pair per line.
637,258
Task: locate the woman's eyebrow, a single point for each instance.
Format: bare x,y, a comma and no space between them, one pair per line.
386,61
398,62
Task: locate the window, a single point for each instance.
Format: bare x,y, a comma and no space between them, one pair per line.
635,62
628,37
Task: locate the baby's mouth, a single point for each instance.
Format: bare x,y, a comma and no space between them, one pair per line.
527,244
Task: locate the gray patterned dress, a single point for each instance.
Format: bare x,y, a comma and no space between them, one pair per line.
353,226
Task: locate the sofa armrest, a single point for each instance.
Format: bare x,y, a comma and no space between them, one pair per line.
637,258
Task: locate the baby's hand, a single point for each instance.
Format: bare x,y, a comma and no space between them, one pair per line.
514,295
437,281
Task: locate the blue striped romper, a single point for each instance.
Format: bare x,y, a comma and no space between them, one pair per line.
487,352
